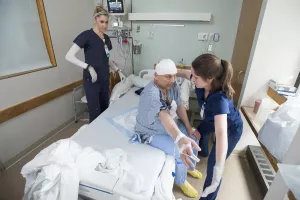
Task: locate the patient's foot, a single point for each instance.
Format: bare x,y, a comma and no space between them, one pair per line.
188,190
195,174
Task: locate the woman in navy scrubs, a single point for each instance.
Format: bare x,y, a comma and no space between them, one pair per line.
212,77
97,66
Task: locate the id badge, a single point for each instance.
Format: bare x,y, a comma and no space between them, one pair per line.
106,50
202,114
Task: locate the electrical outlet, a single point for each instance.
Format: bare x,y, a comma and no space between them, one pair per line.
214,36
202,36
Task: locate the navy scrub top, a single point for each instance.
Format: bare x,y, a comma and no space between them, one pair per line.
95,55
217,103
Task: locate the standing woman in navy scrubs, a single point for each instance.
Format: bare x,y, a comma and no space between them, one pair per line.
97,66
212,77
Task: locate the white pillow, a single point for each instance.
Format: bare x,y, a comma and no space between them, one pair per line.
120,89
149,77
139,82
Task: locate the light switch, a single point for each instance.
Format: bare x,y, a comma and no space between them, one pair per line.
202,36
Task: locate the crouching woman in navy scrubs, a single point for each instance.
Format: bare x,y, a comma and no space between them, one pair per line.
97,65
212,77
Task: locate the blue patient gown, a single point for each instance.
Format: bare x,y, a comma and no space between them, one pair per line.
149,129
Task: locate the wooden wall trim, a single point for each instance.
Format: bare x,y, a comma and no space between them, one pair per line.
179,67
46,31
276,97
184,67
35,102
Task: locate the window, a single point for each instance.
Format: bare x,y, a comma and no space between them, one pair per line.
24,37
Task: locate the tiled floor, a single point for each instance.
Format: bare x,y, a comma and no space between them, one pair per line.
238,180
238,183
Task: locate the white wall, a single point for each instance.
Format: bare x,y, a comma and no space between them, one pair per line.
276,50
181,42
66,20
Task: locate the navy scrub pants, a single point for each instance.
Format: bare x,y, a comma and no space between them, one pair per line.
166,143
97,95
233,138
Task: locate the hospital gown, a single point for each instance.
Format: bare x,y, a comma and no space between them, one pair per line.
149,129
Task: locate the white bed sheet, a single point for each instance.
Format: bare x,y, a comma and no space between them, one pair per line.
101,135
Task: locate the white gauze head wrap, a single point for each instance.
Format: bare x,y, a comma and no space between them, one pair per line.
166,66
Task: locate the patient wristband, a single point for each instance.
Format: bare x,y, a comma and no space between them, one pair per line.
181,135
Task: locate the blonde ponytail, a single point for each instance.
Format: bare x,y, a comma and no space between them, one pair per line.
100,10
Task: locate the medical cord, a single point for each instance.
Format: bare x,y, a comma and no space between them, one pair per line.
123,53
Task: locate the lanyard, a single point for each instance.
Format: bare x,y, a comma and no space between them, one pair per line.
106,49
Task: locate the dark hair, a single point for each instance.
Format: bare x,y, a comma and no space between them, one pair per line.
209,66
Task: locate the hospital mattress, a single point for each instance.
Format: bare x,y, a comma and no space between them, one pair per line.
154,165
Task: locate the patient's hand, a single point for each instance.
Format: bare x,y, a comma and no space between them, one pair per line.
186,145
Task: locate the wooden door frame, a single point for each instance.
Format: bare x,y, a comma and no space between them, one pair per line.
245,42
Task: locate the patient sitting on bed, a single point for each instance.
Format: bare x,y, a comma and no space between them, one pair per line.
162,96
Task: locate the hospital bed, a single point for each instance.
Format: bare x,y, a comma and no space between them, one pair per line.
154,165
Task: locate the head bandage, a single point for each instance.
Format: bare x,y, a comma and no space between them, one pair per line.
166,66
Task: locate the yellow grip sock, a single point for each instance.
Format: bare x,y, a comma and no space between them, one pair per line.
188,190
195,174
